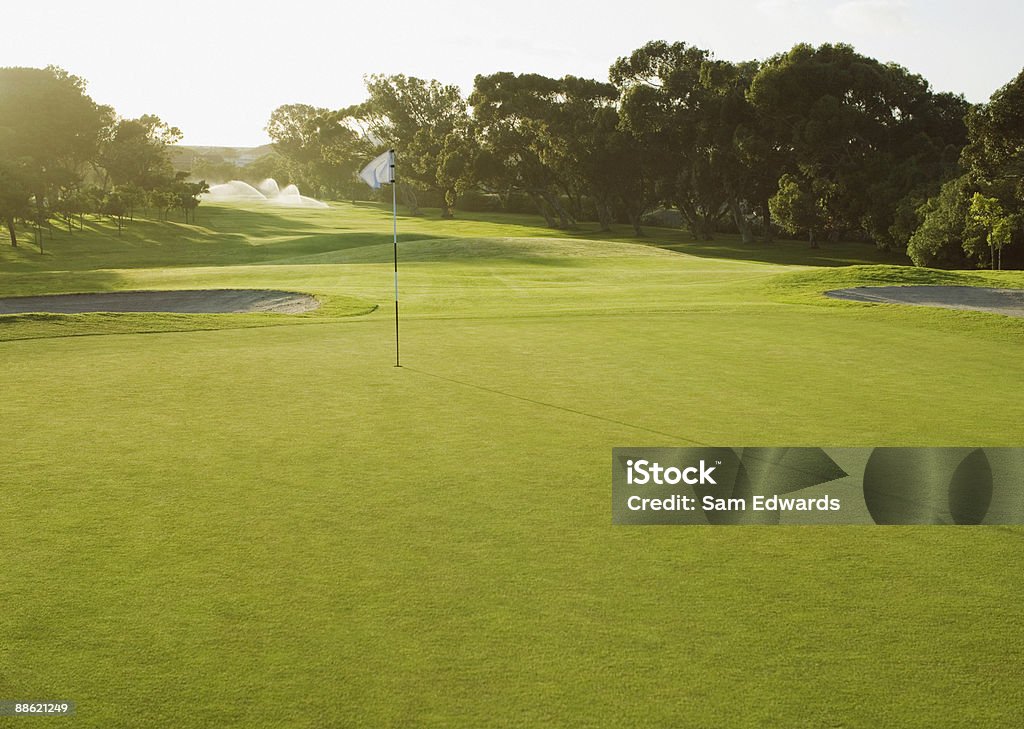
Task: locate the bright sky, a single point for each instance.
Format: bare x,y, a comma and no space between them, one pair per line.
217,68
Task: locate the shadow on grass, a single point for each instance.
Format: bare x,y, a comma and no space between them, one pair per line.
238,235
785,252
221,236
39,283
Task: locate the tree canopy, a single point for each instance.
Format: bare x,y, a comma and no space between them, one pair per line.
819,141
62,154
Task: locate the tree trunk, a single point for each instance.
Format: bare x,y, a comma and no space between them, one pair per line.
409,198
634,220
741,220
542,208
447,208
565,220
577,205
707,226
13,233
604,215
701,224
689,217
766,216
812,239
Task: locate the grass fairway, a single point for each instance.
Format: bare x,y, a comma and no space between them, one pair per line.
257,521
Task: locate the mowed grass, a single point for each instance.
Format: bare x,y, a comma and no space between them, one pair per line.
271,526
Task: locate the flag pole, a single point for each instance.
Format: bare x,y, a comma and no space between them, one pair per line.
394,230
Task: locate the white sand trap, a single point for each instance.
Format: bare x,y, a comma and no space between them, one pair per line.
1009,302
207,301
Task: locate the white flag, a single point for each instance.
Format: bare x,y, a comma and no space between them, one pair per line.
381,171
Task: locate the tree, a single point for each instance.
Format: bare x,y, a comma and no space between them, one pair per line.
456,166
995,161
939,239
188,196
559,141
50,128
16,187
318,149
686,110
977,218
163,200
273,165
861,134
421,120
996,149
136,152
596,156
510,111
115,205
216,169
995,224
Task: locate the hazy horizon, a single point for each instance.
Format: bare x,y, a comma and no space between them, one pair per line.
217,71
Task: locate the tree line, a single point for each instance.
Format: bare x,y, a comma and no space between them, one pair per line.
818,142
63,156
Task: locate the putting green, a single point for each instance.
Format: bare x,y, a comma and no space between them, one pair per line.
273,526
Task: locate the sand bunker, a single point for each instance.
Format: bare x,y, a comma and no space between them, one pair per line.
209,301
1009,302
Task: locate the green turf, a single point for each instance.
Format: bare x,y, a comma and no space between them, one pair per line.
265,524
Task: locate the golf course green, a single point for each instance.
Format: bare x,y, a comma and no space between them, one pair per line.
256,520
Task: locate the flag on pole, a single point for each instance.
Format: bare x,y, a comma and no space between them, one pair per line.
381,171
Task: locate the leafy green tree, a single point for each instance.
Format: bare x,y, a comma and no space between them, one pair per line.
162,201
321,150
596,155
216,169
456,167
939,239
861,133
995,161
798,207
116,206
16,187
421,120
272,165
559,141
137,152
977,218
996,225
689,113
50,127
520,151
188,194
996,149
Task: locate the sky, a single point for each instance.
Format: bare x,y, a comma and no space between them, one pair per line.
216,69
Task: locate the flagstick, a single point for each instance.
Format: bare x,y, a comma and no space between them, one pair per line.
394,221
